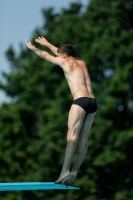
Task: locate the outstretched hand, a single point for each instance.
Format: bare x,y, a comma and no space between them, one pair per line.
29,45
42,41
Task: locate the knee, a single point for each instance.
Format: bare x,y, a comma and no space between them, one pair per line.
82,152
83,146
83,143
72,137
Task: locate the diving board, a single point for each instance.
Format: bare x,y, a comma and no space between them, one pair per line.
35,186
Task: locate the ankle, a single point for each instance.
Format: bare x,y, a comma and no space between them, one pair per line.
74,172
65,168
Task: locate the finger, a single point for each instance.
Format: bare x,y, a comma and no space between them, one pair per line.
42,37
27,42
37,41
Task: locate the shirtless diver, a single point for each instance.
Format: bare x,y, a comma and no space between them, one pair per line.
83,109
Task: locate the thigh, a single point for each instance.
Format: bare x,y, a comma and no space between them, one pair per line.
87,123
75,119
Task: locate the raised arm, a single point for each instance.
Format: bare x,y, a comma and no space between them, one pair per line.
42,41
45,55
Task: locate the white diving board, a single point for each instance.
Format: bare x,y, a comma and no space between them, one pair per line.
35,186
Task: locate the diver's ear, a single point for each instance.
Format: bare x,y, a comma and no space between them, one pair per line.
64,55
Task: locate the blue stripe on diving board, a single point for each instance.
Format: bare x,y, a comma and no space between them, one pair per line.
35,186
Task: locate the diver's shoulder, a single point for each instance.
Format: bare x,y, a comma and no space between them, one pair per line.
81,62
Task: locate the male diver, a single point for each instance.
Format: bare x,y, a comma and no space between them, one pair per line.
83,109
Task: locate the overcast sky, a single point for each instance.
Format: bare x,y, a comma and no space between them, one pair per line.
18,19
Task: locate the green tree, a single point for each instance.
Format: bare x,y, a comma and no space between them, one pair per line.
31,143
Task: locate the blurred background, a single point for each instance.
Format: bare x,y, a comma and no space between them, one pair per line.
17,22
35,98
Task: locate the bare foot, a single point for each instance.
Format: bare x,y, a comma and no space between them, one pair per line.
63,175
69,179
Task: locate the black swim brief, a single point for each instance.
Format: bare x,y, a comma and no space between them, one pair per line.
88,104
